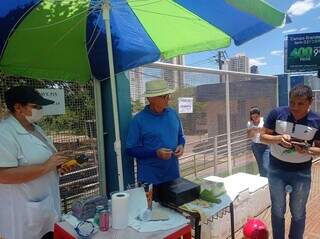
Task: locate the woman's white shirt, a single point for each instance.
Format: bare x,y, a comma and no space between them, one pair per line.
27,210
250,125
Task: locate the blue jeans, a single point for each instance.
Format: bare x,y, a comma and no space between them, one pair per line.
300,182
261,152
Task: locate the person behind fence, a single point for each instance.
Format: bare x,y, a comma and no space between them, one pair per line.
156,137
260,150
29,191
293,133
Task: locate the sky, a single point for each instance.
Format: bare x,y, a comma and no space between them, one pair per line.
266,51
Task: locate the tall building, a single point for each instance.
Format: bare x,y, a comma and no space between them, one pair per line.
136,84
239,63
254,69
174,78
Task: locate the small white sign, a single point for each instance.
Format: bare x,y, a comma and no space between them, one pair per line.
57,95
185,105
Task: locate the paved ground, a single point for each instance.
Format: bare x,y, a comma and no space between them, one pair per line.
313,209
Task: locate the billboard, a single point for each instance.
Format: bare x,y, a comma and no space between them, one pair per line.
302,52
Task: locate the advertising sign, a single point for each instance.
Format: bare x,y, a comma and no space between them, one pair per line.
185,105
57,95
303,52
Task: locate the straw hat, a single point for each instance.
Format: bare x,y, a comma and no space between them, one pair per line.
156,88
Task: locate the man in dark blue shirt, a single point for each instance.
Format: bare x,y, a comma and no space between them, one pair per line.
294,136
155,137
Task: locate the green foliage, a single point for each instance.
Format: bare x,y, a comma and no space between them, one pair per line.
65,122
79,103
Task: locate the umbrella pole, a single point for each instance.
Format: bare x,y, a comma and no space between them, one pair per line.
117,143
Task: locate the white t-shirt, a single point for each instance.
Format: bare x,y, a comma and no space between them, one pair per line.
256,137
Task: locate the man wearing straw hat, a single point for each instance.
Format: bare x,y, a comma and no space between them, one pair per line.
155,136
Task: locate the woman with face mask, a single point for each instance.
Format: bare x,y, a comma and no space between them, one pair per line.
260,150
29,191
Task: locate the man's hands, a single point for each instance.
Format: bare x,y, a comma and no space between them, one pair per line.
166,154
284,140
179,151
287,142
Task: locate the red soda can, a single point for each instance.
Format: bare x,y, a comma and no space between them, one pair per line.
104,220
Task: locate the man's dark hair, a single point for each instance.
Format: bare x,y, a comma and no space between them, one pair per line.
254,110
301,91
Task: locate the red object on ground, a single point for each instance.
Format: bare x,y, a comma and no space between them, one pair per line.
255,229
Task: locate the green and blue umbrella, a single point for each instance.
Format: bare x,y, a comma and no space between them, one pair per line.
66,39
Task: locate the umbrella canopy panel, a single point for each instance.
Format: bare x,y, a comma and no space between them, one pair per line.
49,42
177,31
66,39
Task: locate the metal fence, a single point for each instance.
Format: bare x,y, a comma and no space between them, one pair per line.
215,134
75,130
316,101
215,129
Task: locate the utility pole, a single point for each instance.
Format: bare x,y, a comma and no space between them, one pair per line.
220,65
220,60
222,57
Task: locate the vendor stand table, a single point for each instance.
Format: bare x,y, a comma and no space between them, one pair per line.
63,230
225,207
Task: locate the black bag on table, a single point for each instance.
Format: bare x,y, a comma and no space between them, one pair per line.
176,192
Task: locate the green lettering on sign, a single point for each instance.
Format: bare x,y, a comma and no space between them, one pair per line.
302,52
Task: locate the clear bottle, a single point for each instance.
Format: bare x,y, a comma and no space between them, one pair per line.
96,219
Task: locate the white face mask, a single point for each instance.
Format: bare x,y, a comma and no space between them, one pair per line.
36,116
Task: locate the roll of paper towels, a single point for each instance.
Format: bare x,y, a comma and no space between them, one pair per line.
120,210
